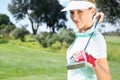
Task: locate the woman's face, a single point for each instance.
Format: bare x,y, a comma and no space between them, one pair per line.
82,18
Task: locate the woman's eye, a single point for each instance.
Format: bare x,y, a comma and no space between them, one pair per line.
71,12
79,11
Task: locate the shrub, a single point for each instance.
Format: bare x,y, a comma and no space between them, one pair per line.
64,37
19,33
56,46
46,39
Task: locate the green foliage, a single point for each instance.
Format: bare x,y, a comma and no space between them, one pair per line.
65,37
56,46
19,33
4,19
6,30
112,33
6,26
46,39
39,11
2,40
111,8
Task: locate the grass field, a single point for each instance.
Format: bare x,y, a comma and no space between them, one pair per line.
113,48
26,63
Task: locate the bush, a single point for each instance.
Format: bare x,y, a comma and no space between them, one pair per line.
64,37
2,40
46,39
56,46
19,33
5,30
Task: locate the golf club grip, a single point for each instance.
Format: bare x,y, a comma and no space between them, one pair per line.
98,19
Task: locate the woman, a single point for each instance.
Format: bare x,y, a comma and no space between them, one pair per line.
83,14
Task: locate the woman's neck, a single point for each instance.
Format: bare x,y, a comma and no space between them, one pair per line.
85,29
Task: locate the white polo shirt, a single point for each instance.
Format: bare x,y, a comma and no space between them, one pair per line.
96,47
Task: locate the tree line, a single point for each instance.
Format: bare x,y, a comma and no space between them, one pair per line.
48,12
9,31
38,12
64,36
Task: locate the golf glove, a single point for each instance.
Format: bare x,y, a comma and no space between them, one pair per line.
78,57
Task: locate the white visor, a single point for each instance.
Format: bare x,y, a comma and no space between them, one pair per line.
78,5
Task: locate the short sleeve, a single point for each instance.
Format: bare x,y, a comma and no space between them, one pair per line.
97,46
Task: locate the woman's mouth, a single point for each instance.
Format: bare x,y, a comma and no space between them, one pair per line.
78,23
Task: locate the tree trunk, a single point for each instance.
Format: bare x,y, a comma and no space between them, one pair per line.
53,30
34,31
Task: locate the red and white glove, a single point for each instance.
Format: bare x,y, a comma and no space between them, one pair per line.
78,57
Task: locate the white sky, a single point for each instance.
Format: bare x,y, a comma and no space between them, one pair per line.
4,10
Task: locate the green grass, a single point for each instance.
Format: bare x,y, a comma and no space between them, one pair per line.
28,61
113,48
21,63
115,70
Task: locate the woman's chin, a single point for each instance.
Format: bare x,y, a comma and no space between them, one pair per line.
80,28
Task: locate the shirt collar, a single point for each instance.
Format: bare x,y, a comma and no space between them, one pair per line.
86,33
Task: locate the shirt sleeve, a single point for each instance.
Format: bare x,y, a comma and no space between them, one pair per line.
101,46
97,46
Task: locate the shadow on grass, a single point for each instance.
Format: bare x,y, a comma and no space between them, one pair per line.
30,41
2,41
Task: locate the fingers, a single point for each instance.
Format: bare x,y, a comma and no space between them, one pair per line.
78,56
101,14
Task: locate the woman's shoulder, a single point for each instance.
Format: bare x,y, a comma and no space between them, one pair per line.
98,37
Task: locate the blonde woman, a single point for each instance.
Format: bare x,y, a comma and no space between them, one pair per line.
83,14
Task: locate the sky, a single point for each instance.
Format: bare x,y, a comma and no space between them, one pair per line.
4,10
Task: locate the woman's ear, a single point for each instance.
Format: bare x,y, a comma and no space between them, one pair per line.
93,11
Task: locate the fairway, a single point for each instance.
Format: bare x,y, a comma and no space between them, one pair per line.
20,63
25,63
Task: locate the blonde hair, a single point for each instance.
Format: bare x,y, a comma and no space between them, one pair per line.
92,1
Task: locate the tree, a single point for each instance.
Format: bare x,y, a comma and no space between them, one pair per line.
54,18
4,19
6,30
38,11
6,26
111,8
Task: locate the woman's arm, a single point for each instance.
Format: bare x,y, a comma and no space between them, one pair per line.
102,69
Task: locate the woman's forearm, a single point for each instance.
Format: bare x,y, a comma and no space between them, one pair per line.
101,73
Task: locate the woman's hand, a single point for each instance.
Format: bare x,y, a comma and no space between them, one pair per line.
101,14
81,55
